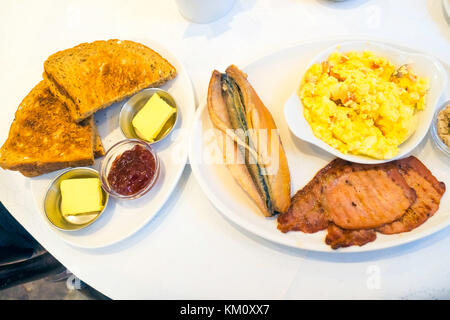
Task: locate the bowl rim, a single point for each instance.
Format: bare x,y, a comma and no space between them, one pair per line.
130,99
51,184
319,57
111,153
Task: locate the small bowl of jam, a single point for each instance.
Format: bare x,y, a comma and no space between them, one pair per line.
129,169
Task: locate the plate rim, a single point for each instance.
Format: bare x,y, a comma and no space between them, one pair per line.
167,54
253,229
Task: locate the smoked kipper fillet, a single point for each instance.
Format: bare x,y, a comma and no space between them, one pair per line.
92,76
44,138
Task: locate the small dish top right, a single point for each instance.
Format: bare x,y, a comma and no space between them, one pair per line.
440,128
366,102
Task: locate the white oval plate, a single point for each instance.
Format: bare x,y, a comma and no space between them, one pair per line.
122,218
425,65
275,77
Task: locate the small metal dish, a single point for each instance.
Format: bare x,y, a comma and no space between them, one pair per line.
136,103
52,202
434,133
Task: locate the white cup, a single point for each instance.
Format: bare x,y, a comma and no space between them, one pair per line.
204,11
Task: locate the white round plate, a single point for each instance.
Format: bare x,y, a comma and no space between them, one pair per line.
274,78
122,218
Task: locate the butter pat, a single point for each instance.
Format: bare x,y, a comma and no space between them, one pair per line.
149,121
79,196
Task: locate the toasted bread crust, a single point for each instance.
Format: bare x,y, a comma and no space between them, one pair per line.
341,238
44,138
92,76
62,95
259,121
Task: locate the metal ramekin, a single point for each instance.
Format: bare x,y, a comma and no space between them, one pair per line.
136,103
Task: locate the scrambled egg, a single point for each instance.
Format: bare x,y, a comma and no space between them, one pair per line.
360,103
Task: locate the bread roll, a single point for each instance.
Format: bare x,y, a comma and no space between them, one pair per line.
256,158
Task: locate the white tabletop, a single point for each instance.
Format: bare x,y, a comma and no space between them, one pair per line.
190,250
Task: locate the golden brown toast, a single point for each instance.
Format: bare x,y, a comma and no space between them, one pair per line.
92,76
44,138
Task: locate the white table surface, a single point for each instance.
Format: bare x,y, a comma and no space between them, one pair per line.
190,250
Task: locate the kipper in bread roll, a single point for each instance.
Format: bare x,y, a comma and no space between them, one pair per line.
249,140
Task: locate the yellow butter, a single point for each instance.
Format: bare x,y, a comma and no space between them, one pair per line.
80,196
149,121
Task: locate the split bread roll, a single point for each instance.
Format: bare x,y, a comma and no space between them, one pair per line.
249,140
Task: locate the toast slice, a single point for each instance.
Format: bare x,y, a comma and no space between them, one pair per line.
92,76
44,138
98,151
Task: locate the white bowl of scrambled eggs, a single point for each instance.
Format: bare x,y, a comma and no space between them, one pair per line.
366,102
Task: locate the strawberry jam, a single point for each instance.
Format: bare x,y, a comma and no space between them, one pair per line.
132,171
